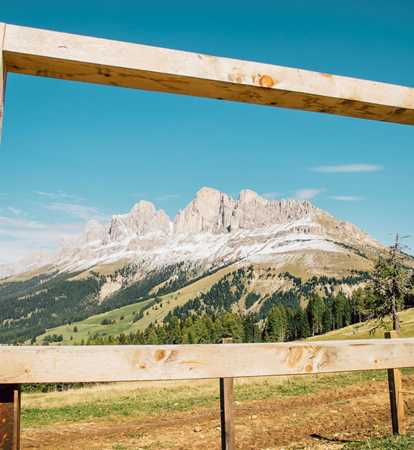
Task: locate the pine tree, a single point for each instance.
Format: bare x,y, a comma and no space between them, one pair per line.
327,317
340,311
276,326
232,326
390,282
315,310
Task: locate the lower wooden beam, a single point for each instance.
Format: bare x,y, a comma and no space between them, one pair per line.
100,363
396,395
9,417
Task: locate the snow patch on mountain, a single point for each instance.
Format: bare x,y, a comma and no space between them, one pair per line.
213,230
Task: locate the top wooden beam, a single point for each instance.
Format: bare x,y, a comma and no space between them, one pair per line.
60,364
73,57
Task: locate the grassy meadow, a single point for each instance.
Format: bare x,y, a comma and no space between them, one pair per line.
363,330
126,416
151,398
120,320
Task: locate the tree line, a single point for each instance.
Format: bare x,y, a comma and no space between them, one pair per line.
282,323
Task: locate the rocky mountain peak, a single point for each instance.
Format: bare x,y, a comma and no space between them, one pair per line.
209,212
143,219
143,207
213,228
207,192
213,211
248,196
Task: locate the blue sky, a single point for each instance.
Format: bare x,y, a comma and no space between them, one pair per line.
74,151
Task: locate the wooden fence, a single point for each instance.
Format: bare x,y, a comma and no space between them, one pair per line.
45,53
71,364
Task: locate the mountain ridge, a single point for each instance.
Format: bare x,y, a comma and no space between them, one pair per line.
212,230
219,254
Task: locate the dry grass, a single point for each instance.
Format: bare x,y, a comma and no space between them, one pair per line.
156,397
363,330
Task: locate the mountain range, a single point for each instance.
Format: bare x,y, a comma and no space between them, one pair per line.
264,250
214,229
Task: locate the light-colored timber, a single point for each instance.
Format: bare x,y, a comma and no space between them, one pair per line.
2,77
60,364
80,58
398,419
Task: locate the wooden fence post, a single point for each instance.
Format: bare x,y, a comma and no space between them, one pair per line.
9,417
226,409
396,395
2,77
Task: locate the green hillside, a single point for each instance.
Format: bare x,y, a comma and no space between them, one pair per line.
123,320
254,291
111,323
169,306
362,330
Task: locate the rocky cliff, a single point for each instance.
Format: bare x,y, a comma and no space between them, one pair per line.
215,229
216,212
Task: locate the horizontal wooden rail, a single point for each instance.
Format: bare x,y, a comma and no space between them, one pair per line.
53,364
80,58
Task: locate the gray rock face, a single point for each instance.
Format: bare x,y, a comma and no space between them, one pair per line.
143,219
212,230
210,212
213,211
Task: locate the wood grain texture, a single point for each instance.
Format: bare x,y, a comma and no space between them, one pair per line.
9,417
227,414
228,437
80,58
54,364
398,418
2,77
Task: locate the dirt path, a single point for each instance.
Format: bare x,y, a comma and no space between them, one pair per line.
323,420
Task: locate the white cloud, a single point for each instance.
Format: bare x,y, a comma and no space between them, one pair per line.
347,168
347,198
75,209
307,194
12,251
59,195
271,195
20,236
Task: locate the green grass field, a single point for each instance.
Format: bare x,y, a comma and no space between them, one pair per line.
156,313
121,321
93,325
128,399
139,408
362,330
127,403
389,443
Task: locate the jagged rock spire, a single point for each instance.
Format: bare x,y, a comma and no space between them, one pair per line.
213,211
